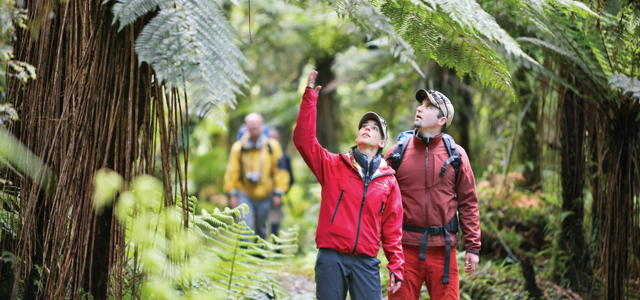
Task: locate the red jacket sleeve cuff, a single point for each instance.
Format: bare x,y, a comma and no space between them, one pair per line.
398,274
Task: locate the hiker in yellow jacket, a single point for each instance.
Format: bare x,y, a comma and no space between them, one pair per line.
254,174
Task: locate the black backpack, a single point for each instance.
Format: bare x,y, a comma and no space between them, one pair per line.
449,143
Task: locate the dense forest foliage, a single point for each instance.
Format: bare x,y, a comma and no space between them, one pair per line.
117,117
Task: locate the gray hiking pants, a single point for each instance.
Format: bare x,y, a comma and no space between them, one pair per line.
337,273
258,213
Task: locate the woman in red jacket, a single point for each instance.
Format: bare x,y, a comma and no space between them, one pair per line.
361,206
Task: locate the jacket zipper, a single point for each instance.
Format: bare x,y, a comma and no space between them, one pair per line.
426,178
381,209
366,186
337,205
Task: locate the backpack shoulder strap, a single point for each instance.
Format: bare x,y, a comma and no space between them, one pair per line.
454,155
269,145
398,153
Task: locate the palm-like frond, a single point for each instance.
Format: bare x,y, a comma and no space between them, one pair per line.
372,20
189,40
128,11
629,85
455,33
534,12
438,37
585,52
473,19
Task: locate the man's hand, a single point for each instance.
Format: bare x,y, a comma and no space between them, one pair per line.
312,81
393,284
470,262
233,201
277,200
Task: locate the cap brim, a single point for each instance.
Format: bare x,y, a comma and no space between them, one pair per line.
373,116
422,94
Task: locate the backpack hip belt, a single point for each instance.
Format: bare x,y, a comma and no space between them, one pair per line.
436,230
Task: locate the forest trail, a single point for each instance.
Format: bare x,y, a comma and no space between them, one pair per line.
299,286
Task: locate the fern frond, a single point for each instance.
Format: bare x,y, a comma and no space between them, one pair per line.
189,40
208,256
456,33
629,85
575,6
375,23
128,11
438,37
470,16
557,49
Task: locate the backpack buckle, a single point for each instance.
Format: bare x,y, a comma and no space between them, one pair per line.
436,230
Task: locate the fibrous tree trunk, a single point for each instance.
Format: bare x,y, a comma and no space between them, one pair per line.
615,207
328,113
572,129
529,274
464,115
93,106
529,141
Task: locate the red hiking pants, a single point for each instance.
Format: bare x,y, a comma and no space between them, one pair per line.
430,272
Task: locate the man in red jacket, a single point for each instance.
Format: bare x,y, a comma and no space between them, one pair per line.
361,207
432,194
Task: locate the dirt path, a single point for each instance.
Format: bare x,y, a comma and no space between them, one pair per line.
299,287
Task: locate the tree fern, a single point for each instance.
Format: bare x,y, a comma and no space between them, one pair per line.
188,40
370,18
629,85
456,33
127,12
421,26
578,48
437,37
213,256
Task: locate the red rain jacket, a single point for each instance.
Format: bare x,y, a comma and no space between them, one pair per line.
430,199
354,216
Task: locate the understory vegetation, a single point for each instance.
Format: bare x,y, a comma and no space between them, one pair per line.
117,118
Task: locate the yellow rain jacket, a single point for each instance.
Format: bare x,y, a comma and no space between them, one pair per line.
253,168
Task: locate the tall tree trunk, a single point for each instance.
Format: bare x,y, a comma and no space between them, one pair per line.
596,150
529,140
447,82
328,113
464,114
572,136
529,274
617,211
93,106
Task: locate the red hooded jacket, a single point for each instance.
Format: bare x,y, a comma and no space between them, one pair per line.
355,215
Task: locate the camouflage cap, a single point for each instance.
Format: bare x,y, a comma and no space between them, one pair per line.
438,100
